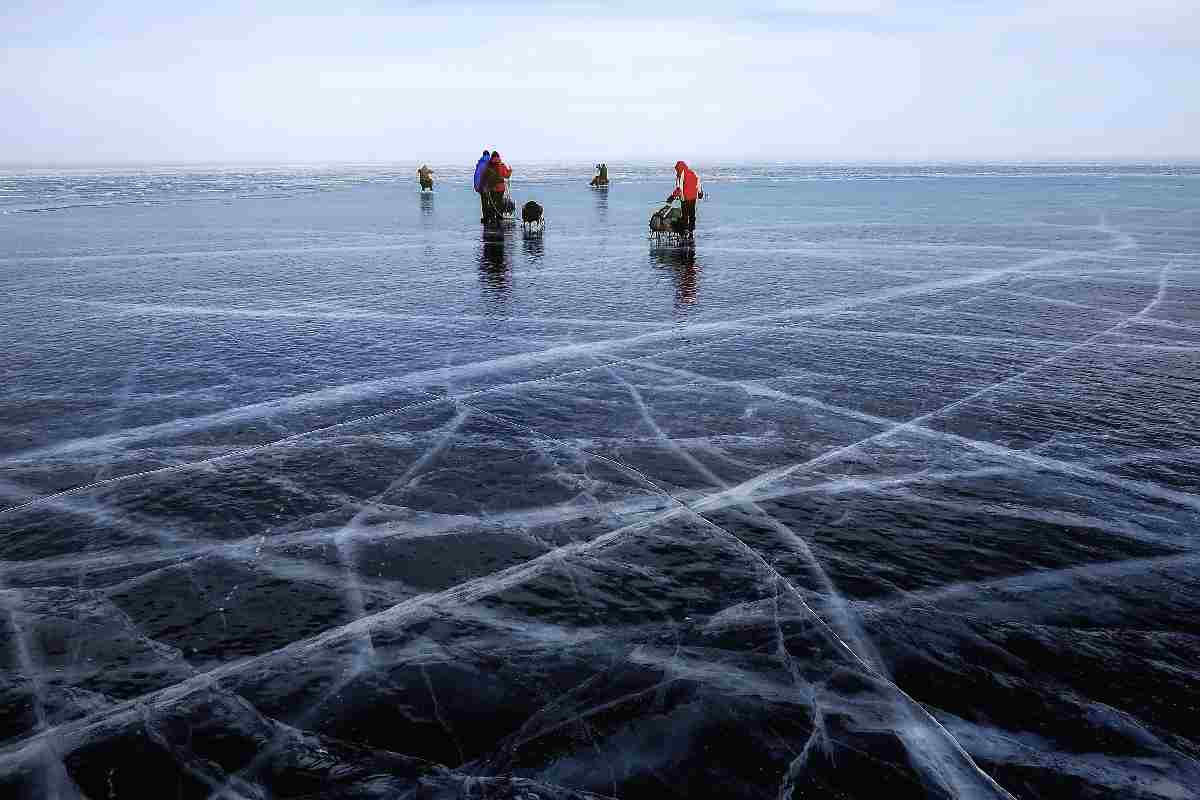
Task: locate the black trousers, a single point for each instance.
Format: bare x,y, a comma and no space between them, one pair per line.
484,207
497,204
689,215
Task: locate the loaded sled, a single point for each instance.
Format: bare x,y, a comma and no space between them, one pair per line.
667,223
533,217
503,210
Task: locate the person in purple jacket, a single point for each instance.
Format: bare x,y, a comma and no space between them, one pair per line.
480,166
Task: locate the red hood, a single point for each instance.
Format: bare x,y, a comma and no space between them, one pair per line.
680,166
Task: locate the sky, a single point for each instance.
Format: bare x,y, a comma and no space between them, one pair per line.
799,80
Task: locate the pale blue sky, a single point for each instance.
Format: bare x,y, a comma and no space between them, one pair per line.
795,80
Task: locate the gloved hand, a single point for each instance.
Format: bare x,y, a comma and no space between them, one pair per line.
700,196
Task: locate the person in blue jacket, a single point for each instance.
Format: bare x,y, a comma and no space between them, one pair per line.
479,170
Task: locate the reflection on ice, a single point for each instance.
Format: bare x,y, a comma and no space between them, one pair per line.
495,269
534,246
680,263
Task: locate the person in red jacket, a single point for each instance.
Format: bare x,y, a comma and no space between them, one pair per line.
494,182
688,190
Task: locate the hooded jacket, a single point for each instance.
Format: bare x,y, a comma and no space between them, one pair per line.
480,166
687,183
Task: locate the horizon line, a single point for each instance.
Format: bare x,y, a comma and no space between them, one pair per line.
1031,160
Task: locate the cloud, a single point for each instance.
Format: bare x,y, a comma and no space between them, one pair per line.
808,80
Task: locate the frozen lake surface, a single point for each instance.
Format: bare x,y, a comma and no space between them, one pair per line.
889,488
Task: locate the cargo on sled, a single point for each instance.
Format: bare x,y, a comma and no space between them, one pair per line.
667,222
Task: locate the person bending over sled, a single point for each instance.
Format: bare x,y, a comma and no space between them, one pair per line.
688,190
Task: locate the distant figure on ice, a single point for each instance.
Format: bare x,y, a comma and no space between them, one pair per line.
688,190
493,185
601,178
425,176
480,166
